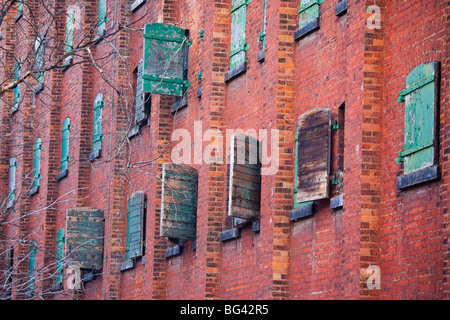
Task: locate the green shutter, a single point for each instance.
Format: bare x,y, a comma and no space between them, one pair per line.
65,144
135,226
179,202
39,47
164,51
37,162
59,255
19,5
70,24
421,99
84,237
238,32
309,11
12,180
98,116
101,25
31,267
17,69
139,114
262,35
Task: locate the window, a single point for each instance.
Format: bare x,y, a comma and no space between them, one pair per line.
262,36
39,48
16,100
12,182
65,149
338,143
102,18
308,17
143,100
135,229
238,39
165,59
31,270
36,165
70,25
421,98
179,202
312,161
97,127
59,257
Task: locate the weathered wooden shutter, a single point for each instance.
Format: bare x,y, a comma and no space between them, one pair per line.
31,267
12,180
37,162
135,226
17,69
164,50
179,202
308,12
59,255
102,18
140,114
39,47
70,24
313,156
98,117
65,144
84,237
244,193
421,100
238,32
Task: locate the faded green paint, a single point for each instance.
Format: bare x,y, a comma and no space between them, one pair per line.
164,51
70,25
59,255
31,267
84,237
102,18
65,144
98,117
309,10
420,118
19,5
17,69
37,162
238,32
12,180
179,202
39,47
135,226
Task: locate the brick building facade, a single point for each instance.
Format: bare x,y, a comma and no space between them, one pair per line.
366,64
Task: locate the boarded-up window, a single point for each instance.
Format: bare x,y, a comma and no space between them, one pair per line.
238,32
313,156
59,255
17,69
65,144
135,226
244,186
165,48
421,114
98,117
84,237
31,268
143,100
179,202
12,181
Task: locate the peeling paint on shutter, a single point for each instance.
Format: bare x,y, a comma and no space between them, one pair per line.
84,237
17,69
70,24
140,114
238,32
179,202
244,186
98,117
65,144
102,18
59,255
313,158
39,47
12,180
164,50
37,162
309,11
421,101
135,226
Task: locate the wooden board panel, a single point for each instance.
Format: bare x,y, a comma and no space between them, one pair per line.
313,160
244,184
179,202
84,237
135,225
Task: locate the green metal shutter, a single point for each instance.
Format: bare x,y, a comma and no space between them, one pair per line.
179,202
12,180
39,47
238,32
164,51
309,11
70,24
59,255
37,162
139,114
84,237
98,117
65,144
101,25
262,35
17,69
31,267
135,226
421,99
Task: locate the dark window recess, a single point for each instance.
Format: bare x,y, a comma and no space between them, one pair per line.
199,92
309,18
179,202
341,8
420,156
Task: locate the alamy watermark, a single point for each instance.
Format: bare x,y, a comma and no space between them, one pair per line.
374,279
374,20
